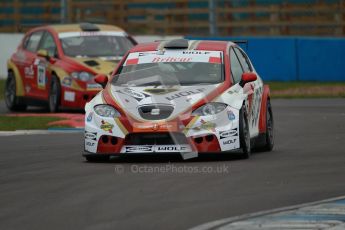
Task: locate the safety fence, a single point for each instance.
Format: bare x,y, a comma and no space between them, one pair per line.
193,17
295,58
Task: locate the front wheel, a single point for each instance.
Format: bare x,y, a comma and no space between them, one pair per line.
244,134
13,102
54,95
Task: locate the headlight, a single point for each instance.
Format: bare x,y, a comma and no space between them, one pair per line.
106,111
82,76
211,108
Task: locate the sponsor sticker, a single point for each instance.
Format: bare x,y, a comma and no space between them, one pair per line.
67,81
231,116
154,126
106,126
205,125
94,86
90,135
174,56
228,133
29,71
139,149
89,143
185,94
155,148
171,59
41,76
134,94
69,96
228,142
90,33
160,91
89,117
172,148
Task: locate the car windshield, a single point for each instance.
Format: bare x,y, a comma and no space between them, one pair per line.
170,70
95,46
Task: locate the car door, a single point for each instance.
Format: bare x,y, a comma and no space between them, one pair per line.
254,92
27,64
42,65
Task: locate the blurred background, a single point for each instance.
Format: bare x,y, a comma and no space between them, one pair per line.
301,40
184,17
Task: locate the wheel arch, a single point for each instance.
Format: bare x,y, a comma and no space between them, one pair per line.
11,67
266,95
54,74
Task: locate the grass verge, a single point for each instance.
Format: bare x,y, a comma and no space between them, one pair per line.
2,88
307,89
12,123
284,89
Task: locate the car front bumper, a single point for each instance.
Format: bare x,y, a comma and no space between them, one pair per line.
201,134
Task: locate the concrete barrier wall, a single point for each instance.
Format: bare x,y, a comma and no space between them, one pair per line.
9,43
321,59
295,59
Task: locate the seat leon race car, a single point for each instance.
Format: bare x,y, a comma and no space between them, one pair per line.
180,96
55,65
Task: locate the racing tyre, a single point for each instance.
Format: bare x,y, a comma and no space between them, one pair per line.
13,102
265,141
269,136
97,158
54,95
244,135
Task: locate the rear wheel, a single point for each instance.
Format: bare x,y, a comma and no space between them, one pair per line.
244,135
54,95
265,141
269,137
13,102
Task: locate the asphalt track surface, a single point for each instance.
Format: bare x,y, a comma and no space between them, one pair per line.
46,184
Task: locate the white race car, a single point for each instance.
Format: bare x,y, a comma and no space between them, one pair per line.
180,96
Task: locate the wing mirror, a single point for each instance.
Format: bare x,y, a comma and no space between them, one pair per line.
101,79
43,53
247,77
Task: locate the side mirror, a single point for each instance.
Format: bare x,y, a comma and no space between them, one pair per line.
247,77
101,79
43,53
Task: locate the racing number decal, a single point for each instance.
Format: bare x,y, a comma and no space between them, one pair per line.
41,76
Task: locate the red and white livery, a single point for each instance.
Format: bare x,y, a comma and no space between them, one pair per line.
180,96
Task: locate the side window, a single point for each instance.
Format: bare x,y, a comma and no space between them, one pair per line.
244,60
26,42
33,41
48,44
235,67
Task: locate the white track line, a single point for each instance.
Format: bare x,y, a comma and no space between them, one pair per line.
218,223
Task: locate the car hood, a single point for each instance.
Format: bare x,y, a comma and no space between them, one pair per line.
98,65
157,103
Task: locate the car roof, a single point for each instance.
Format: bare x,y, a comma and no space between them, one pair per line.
61,28
192,45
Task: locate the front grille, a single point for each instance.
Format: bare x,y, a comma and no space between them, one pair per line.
155,111
156,138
